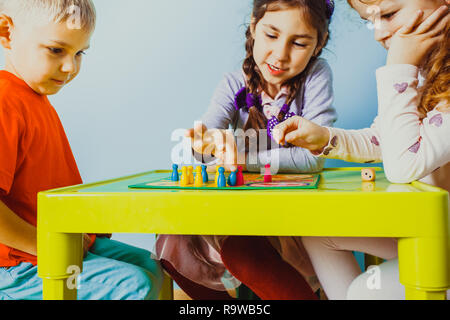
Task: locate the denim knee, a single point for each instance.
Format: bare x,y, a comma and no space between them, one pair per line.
140,284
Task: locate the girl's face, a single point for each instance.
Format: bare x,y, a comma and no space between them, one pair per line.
284,44
389,16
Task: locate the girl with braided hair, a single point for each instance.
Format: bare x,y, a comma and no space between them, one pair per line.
282,76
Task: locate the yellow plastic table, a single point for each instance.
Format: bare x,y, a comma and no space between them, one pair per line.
343,205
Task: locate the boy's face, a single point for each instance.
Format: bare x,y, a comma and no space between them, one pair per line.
389,16
284,44
46,56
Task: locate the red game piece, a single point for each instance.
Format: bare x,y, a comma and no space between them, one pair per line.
240,177
267,174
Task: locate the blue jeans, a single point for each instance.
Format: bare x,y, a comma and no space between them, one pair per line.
111,271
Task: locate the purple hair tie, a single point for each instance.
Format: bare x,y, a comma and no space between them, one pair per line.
285,108
330,8
251,100
239,99
244,100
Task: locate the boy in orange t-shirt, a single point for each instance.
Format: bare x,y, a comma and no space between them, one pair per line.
44,44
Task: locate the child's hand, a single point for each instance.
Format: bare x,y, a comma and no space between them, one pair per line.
219,143
412,43
302,133
202,140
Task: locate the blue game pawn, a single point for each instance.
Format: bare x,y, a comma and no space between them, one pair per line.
232,179
175,176
204,174
221,182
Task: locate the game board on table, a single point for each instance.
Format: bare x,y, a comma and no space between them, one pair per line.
251,182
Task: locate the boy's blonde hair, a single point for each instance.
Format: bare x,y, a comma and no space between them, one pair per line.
80,14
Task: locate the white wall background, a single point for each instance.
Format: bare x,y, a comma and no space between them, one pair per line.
153,66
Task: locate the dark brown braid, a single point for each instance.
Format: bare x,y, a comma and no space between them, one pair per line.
256,119
318,18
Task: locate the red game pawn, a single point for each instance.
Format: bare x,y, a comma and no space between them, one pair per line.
268,174
240,177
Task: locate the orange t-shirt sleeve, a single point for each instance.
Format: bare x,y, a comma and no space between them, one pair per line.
93,237
10,128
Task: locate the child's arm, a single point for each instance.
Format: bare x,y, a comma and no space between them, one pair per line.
412,148
16,232
317,108
19,234
361,146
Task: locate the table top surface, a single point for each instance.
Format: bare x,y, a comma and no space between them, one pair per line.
341,206
332,180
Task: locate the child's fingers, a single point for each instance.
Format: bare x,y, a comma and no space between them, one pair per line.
280,131
199,129
410,26
432,19
189,133
440,27
196,136
293,138
205,140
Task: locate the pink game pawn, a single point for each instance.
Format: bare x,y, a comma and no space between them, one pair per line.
268,174
240,177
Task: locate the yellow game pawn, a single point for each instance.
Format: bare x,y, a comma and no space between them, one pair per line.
198,177
191,175
184,177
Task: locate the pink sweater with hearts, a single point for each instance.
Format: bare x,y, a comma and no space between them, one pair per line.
410,146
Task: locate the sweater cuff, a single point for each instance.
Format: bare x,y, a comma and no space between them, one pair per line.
332,143
395,71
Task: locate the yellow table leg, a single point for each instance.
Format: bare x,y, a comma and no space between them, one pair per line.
424,267
57,290
423,294
60,261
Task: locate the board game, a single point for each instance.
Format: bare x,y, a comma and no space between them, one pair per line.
251,182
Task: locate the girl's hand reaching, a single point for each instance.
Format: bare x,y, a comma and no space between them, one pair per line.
302,133
219,143
412,43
